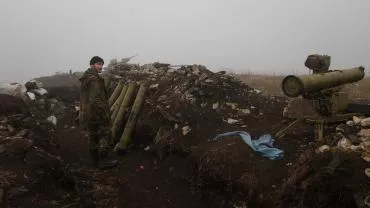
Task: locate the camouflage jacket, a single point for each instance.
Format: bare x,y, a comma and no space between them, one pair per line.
94,108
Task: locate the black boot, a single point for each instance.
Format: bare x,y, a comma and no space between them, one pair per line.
94,153
106,163
101,163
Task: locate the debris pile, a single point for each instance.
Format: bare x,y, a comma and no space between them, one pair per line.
185,109
28,143
192,99
13,89
332,173
35,96
35,88
354,136
31,90
191,104
22,127
325,180
187,106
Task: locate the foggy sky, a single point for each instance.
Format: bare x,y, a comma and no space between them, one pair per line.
40,37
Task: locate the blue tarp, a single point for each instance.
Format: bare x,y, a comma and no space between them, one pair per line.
263,145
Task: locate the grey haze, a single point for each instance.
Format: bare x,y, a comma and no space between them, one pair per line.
40,37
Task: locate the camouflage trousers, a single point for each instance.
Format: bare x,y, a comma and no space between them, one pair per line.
99,137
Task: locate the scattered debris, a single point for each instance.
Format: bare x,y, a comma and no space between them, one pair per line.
185,130
40,91
153,86
366,158
365,122
33,84
367,172
215,105
31,95
344,144
52,119
364,133
16,90
323,148
357,120
232,121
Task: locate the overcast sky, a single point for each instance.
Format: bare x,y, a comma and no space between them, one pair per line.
40,37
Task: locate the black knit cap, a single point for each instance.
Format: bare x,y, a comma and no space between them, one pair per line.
96,59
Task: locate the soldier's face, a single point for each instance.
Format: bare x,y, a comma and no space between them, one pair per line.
97,66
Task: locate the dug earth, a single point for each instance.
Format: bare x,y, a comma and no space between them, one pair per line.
177,157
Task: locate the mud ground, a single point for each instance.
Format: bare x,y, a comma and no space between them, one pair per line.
233,176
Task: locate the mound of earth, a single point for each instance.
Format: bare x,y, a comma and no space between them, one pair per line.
193,105
11,105
28,164
204,102
187,106
172,161
326,180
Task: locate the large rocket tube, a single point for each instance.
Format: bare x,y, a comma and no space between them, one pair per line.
293,86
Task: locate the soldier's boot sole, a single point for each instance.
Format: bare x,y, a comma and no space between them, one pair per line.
108,164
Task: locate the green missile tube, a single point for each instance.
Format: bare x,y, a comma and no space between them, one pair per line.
127,99
131,123
115,93
115,109
119,100
293,86
122,109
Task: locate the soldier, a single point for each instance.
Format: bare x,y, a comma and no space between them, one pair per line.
94,111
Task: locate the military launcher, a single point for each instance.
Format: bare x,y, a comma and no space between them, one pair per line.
323,89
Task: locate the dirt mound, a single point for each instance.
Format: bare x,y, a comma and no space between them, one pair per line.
326,180
193,104
167,183
10,105
28,164
65,94
189,105
59,80
207,102
173,163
